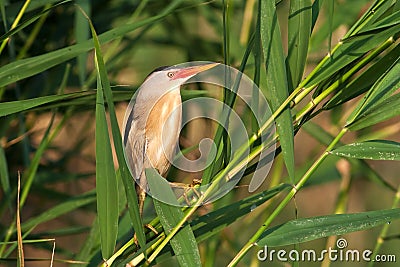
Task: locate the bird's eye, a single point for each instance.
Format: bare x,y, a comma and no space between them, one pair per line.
170,74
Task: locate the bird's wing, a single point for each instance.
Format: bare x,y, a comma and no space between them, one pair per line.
135,146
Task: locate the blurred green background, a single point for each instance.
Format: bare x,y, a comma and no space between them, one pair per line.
190,31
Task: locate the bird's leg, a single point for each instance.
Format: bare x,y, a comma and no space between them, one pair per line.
141,195
141,198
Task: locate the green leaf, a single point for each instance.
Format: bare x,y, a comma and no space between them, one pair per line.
299,30
65,207
4,177
207,226
389,21
348,52
20,69
316,8
377,21
91,246
384,111
307,229
375,12
183,243
380,91
30,175
276,79
214,222
359,165
210,224
331,7
12,107
365,80
14,7
106,182
32,19
116,133
344,16
3,11
82,99
374,149
72,204
81,35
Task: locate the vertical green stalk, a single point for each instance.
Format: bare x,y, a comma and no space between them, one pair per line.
229,97
228,94
34,33
331,7
20,258
286,200
82,33
15,23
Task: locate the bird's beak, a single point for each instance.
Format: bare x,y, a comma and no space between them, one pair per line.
191,71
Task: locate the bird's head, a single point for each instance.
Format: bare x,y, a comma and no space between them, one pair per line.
164,79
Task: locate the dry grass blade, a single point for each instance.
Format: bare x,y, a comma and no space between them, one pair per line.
52,254
21,261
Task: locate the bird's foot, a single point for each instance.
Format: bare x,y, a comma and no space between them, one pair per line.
191,189
187,192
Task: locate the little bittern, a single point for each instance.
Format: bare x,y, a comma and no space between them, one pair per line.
153,124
